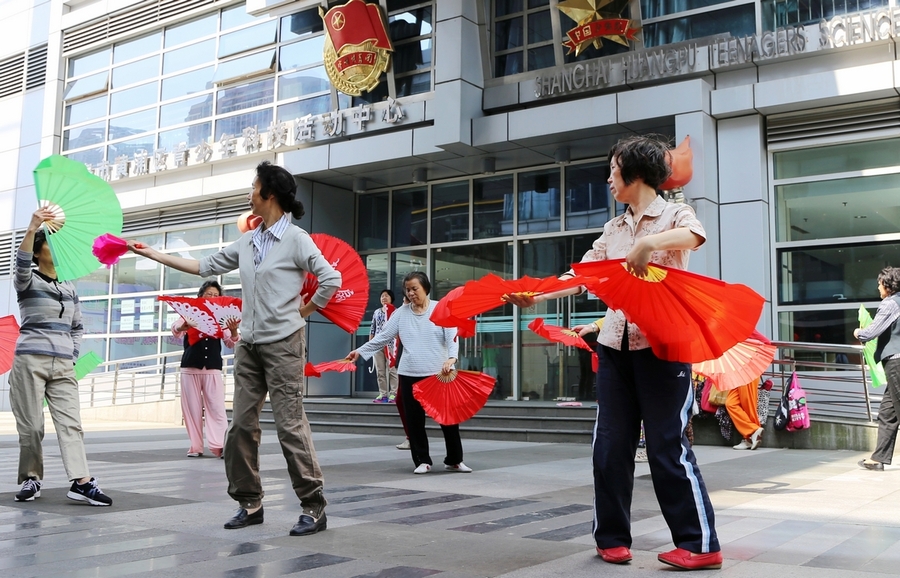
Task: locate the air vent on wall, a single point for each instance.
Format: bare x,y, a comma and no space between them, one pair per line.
12,72
221,211
7,254
834,120
36,73
123,21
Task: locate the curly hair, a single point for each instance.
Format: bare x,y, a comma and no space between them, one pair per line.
275,180
642,157
890,278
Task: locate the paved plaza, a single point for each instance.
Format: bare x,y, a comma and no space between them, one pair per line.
525,512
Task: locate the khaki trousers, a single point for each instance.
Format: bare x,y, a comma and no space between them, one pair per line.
33,378
387,375
275,369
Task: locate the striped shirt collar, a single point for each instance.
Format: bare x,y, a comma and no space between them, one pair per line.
264,238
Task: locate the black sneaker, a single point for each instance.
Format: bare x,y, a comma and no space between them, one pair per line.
31,489
90,493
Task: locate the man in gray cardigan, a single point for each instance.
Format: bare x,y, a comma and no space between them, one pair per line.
273,260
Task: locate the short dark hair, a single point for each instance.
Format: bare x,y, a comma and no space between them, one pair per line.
421,277
40,237
642,157
890,278
275,180
206,285
389,292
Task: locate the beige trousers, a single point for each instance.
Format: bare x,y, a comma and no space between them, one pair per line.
33,378
387,375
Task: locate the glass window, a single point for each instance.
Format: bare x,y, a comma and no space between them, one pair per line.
245,67
509,34
235,124
136,48
378,268
412,56
416,84
175,279
655,9
191,55
88,85
235,16
189,31
372,224
133,275
505,7
833,274
245,96
128,347
136,97
247,39
540,28
300,54
185,110
190,135
781,13
188,83
587,196
301,108
89,62
84,135
410,24
507,64
301,24
130,124
95,313
405,263
410,210
86,110
230,233
541,57
858,156
89,157
129,147
822,326
837,208
135,72
309,81
493,200
184,239
539,201
96,345
92,284
738,21
450,212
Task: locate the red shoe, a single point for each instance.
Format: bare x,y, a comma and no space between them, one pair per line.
617,555
681,558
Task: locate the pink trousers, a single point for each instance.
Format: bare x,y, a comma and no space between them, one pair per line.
203,389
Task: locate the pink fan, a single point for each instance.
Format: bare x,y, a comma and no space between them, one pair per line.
108,248
194,311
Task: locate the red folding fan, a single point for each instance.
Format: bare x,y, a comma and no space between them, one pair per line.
558,334
194,311
339,365
740,365
442,317
9,334
488,292
686,317
224,309
348,305
454,397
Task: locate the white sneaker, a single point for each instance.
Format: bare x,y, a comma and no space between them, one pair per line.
422,469
460,467
756,439
744,445
404,445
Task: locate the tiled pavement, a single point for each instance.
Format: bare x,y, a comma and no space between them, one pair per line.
524,512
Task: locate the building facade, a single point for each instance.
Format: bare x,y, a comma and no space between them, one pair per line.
482,149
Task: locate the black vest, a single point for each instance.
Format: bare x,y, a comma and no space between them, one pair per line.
889,340
205,354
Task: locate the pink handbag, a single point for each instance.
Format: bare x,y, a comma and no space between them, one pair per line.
798,412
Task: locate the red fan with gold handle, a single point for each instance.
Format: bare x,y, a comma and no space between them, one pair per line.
454,397
339,365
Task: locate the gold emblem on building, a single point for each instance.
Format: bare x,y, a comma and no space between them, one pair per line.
357,47
597,19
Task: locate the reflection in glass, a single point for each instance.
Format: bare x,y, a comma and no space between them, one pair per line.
184,239
235,16
493,202
377,94
230,232
450,212
822,326
88,63
504,7
509,34
88,85
94,283
412,56
84,135
372,231
540,29
301,108
98,346
539,201
378,268
86,110
189,56
190,135
405,263
587,196
185,110
738,21
839,158
137,47
300,54
175,279
135,72
833,274
507,64
181,33
128,347
410,212
94,315
781,13
540,57
309,81
245,67
133,275
187,83
137,97
837,208
129,147
247,38
235,124
416,84
405,25
135,315
245,96
655,9
134,123
88,157
300,24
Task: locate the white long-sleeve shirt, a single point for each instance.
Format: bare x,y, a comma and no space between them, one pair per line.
425,345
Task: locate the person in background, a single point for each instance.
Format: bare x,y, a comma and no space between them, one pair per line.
741,405
44,368
273,260
886,329
404,445
385,370
427,350
633,384
202,388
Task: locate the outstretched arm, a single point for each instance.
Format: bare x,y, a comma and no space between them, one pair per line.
191,266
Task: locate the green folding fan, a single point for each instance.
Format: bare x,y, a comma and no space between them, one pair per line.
876,370
86,364
84,207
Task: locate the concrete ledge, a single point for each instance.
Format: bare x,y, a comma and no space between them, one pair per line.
166,411
822,435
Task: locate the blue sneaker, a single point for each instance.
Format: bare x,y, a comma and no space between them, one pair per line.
380,399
